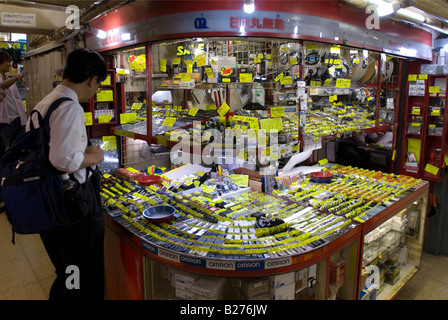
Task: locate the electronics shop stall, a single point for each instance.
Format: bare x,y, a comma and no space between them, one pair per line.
315,80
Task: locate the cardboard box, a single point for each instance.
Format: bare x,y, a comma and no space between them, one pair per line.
182,294
285,292
301,279
280,280
207,286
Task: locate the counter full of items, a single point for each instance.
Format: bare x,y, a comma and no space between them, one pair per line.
214,221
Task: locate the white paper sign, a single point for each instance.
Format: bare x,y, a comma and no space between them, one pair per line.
18,19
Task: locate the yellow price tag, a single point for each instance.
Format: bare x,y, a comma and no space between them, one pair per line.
128,117
105,95
279,77
104,118
222,111
431,169
109,143
184,77
193,111
209,73
136,106
162,65
277,112
245,77
169,121
88,118
434,89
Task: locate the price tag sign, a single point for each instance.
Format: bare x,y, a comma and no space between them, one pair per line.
169,121
104,118
434,89
245,77
432,169
222,111
88,118
162,65
128,117
412,77
209,73
279,77
123,133
109,143
176,61
286,80
136,106
184,77
193,112
343,83
310,46
105,95
200,60
277,112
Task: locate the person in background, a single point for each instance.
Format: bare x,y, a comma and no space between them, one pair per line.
12,111
79,245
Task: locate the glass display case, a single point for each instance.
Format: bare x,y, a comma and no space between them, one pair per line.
232,248
392,252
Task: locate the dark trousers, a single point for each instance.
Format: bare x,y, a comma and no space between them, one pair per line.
79,245
8,132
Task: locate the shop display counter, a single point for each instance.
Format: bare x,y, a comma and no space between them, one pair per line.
207,253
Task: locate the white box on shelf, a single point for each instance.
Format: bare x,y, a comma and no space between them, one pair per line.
285,292
280,280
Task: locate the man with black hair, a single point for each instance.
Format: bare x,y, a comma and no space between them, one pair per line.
76,251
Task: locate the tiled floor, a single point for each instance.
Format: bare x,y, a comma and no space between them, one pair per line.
26,272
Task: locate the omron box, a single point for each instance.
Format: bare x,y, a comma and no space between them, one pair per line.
283,279
285,292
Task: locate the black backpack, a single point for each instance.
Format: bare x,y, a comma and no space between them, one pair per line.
31,187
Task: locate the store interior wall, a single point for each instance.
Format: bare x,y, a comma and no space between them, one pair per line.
41,73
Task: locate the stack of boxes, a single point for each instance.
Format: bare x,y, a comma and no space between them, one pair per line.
285,286
191,286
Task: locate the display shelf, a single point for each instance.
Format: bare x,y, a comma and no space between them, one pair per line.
390,291
424,137
102,115
392,246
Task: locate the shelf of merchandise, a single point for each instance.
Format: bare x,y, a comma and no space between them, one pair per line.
150,87
424,114
414,243
133,264
100,128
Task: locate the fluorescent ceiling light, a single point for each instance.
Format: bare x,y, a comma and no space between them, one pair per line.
101,34
249,6
385,9
412,15
435,28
